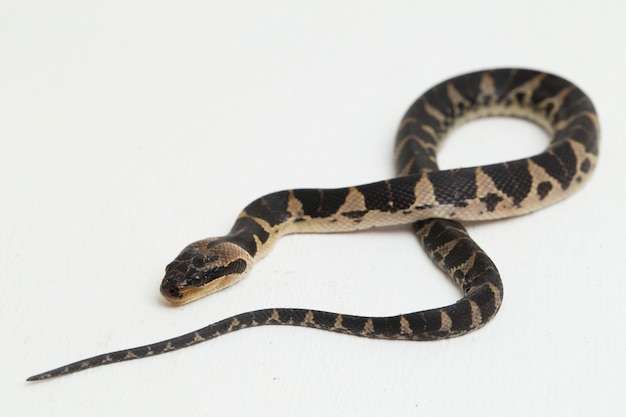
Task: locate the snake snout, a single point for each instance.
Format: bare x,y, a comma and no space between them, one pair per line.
171,286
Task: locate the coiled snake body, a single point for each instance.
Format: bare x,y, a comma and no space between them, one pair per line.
432,200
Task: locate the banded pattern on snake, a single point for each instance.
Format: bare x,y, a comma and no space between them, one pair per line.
432,200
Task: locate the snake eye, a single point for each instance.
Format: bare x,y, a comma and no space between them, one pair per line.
195,279
204,276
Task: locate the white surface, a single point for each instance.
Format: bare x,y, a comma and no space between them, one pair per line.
131,128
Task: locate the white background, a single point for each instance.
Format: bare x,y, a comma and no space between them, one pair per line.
131,128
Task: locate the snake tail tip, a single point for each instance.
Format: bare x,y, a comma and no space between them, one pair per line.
38,377
43,376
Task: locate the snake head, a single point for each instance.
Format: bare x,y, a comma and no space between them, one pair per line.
202,268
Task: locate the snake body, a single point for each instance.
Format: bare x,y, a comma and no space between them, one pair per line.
433,201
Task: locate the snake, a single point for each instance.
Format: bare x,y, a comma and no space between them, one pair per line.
433,201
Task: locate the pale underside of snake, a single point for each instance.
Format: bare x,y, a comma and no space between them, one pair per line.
432,200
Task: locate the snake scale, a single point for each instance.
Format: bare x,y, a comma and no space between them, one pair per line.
434,201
